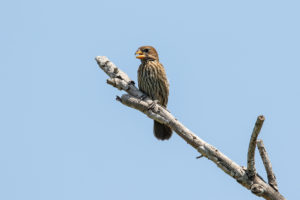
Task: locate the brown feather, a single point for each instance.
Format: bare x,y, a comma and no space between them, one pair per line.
152,80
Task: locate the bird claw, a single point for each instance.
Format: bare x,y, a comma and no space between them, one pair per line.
153,104
143,97
131,82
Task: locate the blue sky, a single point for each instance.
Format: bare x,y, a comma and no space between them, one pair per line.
63,136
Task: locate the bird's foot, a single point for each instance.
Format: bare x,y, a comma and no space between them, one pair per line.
153,105
131,82
143,97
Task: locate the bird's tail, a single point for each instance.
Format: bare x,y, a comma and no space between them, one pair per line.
161,131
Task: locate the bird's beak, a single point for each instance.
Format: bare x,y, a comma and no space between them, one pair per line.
139,54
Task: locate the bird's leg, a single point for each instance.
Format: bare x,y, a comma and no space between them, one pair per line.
143,97
131,82
153,104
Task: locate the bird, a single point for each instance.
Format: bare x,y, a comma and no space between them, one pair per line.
152,81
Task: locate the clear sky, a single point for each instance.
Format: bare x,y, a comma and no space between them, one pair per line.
63,136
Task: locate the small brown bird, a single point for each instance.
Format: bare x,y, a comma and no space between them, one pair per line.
152,81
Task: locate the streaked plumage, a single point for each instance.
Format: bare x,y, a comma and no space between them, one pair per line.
152,80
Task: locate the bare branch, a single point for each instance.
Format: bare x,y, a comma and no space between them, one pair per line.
160,114
251,150
267,163
136,99
118,78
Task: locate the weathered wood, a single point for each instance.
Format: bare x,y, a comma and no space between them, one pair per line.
136,99
252,146
267,163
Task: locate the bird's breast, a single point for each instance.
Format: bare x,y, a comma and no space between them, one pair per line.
152,81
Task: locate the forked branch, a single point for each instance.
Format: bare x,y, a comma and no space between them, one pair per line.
134,100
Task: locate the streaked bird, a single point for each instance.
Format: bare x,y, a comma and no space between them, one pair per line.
152,81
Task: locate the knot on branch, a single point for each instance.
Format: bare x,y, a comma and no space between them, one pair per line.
251,175
118,83
257,189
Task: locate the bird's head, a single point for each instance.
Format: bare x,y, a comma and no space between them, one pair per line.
145,53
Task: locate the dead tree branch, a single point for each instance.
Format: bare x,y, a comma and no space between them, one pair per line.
251,150
267,163
136,99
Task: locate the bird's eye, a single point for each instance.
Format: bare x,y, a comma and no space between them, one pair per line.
146,50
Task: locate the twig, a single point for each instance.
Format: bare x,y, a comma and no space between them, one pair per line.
267,163
252,145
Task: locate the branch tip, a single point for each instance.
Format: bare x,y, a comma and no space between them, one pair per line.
257,189
252,144
261,118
